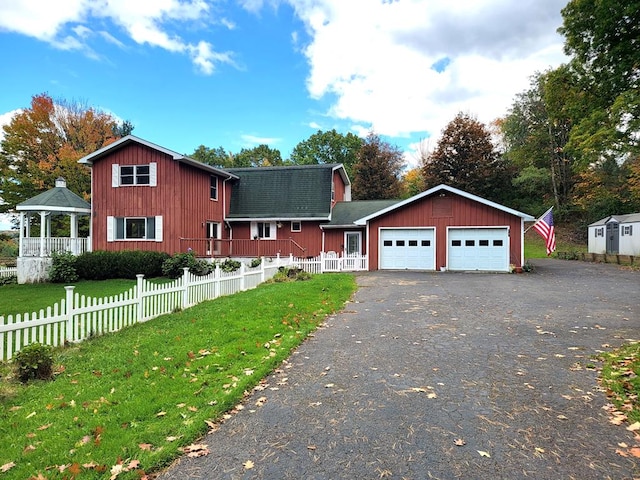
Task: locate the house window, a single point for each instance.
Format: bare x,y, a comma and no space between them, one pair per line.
133,175
134,228
296,226
264,230
213,188
627,230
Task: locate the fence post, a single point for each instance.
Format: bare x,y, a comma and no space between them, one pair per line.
262,275
322,262
242,278
277,260
216,285
69,312
185,288
290,260
140,297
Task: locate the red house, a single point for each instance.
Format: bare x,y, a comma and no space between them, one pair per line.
148,197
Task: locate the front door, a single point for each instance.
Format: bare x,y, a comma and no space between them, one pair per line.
612,237
213,234
352,243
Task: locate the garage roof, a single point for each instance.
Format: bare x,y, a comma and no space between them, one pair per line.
345,214
431,191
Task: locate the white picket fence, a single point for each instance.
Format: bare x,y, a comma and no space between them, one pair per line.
77,317
332,262
8,272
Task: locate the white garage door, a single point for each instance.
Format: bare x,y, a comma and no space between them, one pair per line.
407,249
478,249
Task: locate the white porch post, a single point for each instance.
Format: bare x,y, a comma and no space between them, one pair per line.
74,234
43,226
22,233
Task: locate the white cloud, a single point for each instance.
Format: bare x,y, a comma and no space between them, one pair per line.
5,119
152,22
375,60
254,141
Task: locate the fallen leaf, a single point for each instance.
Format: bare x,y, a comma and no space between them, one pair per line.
562,417
459,442
145,446
635,451
44,427
311,447
484,454
29,448
161,414
634,426
31,415
7,466
171,439
196,450
248,465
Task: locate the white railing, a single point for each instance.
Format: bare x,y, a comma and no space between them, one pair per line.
77,317
44,247
332,262
8,272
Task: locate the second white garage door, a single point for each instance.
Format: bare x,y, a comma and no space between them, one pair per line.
478,249
407,249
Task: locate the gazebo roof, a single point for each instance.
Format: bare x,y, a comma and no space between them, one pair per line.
58,199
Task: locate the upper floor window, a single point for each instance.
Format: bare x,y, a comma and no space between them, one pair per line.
132,175
296,226
213,188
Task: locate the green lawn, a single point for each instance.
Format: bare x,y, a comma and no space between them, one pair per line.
534,246
129,402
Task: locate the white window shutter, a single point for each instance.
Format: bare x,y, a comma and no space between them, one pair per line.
115,175
153,174
111,227
254,229
158,228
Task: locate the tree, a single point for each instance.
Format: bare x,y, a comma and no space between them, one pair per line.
260,156
45,141
412,183
465,158
328,147
602,38
376,173
216,157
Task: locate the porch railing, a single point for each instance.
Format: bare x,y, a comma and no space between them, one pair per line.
209,247
44,247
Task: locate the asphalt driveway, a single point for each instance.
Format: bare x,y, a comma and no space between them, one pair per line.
443,375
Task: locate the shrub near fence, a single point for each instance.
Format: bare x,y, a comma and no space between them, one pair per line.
76,318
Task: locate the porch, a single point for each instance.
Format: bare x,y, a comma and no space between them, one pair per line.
214,248
46,246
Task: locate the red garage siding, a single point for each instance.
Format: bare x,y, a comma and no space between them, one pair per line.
442,212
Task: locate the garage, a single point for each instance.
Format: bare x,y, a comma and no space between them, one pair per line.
407,249
484,249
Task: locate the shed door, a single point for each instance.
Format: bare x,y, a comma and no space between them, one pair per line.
485,249
407,249
613,239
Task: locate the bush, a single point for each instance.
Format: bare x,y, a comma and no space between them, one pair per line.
286,274
173,266
35,361
255,262
229,265
8,280
102,265
63,268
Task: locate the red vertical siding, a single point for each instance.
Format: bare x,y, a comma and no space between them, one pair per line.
334,239
339,187
181,197
463,213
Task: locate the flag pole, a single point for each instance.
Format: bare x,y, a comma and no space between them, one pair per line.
537,219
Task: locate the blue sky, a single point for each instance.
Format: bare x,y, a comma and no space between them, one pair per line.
240,73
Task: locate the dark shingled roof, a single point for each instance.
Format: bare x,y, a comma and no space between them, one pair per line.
346,213
58,198
302,191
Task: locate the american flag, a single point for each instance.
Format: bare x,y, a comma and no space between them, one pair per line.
544,226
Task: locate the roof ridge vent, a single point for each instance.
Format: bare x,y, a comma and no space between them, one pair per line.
61,182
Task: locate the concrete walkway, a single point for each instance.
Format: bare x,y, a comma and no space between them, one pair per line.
443,375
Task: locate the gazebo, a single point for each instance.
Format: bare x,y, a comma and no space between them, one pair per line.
34,256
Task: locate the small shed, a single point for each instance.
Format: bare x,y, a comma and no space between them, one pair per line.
34,256
615,234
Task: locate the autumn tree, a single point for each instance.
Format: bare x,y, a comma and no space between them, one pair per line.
376,173
45,141
412,183
328,147
465,158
